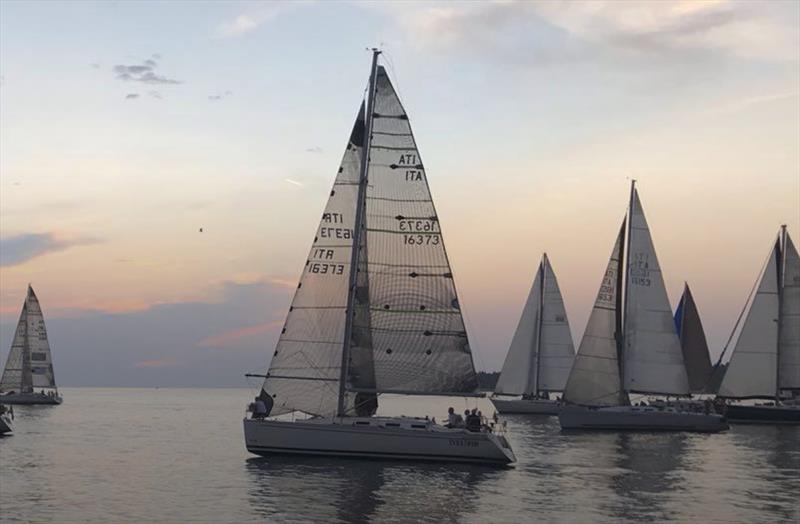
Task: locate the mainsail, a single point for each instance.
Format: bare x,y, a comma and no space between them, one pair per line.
405,333
653,357
29,364
595,376
541,352
693,342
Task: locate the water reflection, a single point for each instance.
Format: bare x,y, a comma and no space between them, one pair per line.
344,490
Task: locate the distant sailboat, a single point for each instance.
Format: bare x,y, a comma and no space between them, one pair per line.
6,420
765,363
375,312
693,343
630,345
29,366
541,352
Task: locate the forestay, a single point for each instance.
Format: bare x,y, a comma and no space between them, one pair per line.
418,336
595,379
751,371
789,372
653,356
305,368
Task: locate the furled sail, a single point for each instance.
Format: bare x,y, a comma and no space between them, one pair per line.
595,379
653,357
30,363
417,331
789,358
556,351
693,342
520,363
751,371
305,368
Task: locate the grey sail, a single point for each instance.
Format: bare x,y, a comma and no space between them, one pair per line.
751,371
653,357
418,337
595,376
520,364
789,339
30,363
556,349
693,342
305,368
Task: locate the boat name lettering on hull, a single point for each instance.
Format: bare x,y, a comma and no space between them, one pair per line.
462,442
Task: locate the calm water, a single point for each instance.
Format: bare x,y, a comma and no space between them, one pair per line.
177,455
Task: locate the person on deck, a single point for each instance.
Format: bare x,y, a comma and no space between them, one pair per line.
259,408
453,419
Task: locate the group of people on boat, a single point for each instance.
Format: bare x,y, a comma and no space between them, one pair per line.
472,420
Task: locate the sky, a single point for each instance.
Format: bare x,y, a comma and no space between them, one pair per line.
127,126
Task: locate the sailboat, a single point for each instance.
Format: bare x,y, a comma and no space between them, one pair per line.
630,346
693,342
375,312
541,352
765,363
29,366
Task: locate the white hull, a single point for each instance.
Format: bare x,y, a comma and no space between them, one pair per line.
6,426
30,399
374,437
537,406
637,418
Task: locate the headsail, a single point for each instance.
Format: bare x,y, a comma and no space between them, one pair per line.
305,368
418,335
30,362
751,371
653,357
595,376
693,342
789,342
520,363
556,351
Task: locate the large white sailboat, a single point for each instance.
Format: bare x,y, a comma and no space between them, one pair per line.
28,377
630,346
375,312
541,352
765,363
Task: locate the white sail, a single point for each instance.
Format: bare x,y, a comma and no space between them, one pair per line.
557,351
789,344
520,363
653,355
30,363
594,379
751,371
305,368
417,332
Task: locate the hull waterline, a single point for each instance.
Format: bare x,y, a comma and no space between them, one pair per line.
527,407
384,438
30,399
635,418
781,414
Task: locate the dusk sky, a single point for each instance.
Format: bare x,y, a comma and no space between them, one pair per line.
127,126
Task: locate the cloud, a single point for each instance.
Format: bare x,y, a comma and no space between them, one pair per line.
154,94
255,16
293,182
144,73
156,363
17,249
131,96
746,103
228,337
550,32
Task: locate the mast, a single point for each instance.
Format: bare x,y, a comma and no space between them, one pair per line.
357,231
26,380
781,271
542,270
624,298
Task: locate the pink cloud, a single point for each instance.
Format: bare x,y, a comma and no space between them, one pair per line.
155,363
227,337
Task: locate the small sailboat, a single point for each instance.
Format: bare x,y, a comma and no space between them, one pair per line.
541,352
630,346
765,363
28,376
693,343
375,312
